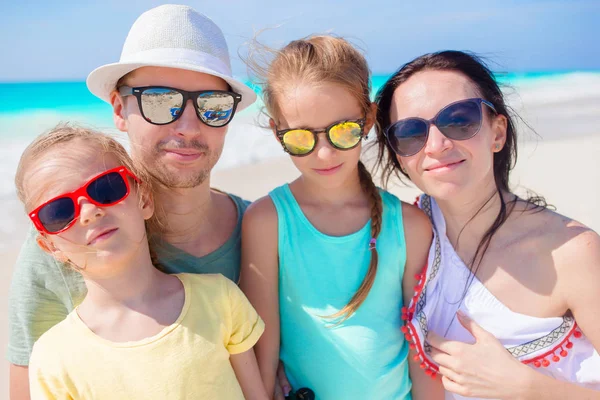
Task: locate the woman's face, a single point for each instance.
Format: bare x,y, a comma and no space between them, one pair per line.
317,107
444,168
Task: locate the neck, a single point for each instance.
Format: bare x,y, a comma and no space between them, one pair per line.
184,210
347,192
135,280
468,218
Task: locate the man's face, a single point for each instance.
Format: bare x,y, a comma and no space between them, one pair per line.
180,154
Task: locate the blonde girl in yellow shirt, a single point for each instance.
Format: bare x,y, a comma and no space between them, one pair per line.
139,333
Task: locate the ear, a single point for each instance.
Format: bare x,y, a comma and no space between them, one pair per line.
371,117
147,202
499,128
48,246
118,105
273,127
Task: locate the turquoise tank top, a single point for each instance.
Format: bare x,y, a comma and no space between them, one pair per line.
365,357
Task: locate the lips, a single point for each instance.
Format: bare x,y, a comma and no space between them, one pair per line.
438,167
328,171
183,154
101,234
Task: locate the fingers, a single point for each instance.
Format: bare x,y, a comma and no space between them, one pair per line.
450,374
283,380
477,331
443,344
452,386
278,394
441,358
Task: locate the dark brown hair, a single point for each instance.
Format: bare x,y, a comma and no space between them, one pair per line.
475,69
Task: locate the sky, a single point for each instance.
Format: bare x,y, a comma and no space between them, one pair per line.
55,40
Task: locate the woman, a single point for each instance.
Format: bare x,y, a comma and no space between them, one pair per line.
503,272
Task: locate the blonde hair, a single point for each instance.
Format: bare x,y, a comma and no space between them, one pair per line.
315,60
63,135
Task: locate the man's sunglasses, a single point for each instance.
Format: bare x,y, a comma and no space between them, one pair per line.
343,135
161,105
457,121
104,190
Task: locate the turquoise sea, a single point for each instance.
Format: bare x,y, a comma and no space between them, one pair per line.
27,109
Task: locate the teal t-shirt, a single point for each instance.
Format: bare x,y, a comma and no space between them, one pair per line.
44,291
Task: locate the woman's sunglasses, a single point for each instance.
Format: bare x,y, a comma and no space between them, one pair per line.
457,121
343,135
104,190
162,105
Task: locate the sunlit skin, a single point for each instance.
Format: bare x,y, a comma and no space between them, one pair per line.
180,154
445,168
317,107
103,239
539,263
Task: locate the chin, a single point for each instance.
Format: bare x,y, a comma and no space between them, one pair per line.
442,190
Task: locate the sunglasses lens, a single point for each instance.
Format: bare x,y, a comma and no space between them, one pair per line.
407,137
460,121
108,189
56,215
345,135
161,105
299,141
216,108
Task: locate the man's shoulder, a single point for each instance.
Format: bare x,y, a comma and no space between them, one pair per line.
35,265
241,203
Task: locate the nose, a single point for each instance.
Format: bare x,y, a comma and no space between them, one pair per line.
437,142
323,148
188,123
89,212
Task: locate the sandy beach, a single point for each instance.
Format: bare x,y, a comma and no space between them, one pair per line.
562,165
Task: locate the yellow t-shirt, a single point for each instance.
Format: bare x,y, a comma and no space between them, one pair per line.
186,360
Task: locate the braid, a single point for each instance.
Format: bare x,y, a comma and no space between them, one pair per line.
366,182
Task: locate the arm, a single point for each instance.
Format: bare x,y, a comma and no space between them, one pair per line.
246,371
259,281
418,240
578,266
502,376
18,382
38,300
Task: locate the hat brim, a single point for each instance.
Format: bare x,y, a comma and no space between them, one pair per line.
103,80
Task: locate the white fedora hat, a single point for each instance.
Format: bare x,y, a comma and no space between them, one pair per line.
173,36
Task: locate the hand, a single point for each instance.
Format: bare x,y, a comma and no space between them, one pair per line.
484,369
282,385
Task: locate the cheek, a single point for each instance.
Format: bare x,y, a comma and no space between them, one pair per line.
302,163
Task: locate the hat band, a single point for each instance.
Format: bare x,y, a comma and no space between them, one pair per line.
178,56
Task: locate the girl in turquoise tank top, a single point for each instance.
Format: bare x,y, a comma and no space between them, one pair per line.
324,257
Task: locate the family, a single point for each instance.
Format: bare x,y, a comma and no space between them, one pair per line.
139,281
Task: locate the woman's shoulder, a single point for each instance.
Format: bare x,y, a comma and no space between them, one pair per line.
572,244
551,228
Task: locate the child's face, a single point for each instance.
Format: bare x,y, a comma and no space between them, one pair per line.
101,237
317,107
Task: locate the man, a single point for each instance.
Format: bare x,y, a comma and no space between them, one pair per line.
174,70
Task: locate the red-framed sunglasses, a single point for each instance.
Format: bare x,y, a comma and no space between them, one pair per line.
104,190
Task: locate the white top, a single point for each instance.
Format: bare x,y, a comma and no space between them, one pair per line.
554,346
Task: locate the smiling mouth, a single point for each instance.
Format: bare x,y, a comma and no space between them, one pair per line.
445,166
327,171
